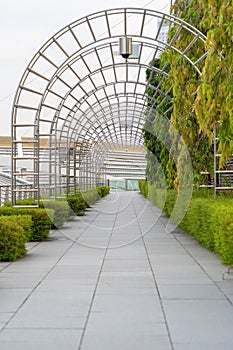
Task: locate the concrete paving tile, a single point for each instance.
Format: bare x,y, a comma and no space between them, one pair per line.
203,346
3,265
72,271
11,299
126,280
191,291
29,339
129,305
131,342
26,320
110,325
199,321
197,280
126,311
70,285
126,265
125,291
129,252
5,316
226,286
19,283
50,304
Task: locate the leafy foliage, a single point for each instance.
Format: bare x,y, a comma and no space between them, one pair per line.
209,220
143,186
41,222
12,238
103,190
60,211
77,204
197,101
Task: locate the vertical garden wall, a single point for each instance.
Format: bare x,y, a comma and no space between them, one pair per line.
198,102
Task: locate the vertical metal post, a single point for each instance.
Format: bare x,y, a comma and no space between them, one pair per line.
125,18
215,161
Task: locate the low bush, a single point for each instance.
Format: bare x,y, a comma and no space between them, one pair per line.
25,221
41,222
27,201
12,238
103,190
209,220
90,197
61,212
77,204
143,187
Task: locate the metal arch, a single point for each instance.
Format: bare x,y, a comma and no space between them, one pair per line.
58,53
78,105
101,71
81,122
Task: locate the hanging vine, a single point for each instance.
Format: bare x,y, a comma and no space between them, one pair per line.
198,102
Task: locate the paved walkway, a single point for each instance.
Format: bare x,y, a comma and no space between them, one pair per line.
115,280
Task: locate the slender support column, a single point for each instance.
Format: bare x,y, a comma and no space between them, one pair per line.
215,161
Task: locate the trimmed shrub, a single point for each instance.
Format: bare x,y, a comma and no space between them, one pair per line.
12,238
143,187
77,204
157,195
25,221
90,197
103,190
60,214
41,222
209,220
27,201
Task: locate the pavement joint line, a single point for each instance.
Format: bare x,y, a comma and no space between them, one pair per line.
96,286
37,285
82,330
86,228
195,260
155,283
203,269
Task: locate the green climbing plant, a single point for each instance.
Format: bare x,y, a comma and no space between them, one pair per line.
197,102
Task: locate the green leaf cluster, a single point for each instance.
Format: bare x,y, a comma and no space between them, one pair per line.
197,102
13,237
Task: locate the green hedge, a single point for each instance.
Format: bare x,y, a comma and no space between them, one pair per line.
60,207
77,204
41,222
209,220
92,196
61,212
143,187
103,190
13,237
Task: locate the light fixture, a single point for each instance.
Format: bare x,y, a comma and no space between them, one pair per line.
125,45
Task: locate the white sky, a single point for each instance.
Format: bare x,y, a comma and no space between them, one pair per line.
25,25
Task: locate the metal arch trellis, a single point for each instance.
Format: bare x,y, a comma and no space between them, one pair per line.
76,93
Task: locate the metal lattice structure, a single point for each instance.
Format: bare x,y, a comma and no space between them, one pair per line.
80,98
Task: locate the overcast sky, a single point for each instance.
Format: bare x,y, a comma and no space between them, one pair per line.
25,25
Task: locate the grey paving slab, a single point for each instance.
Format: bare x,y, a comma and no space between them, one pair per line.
190,291
127,342
5,316
30,339
115,279
116,324
11,299
134,305
203,346
199,321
